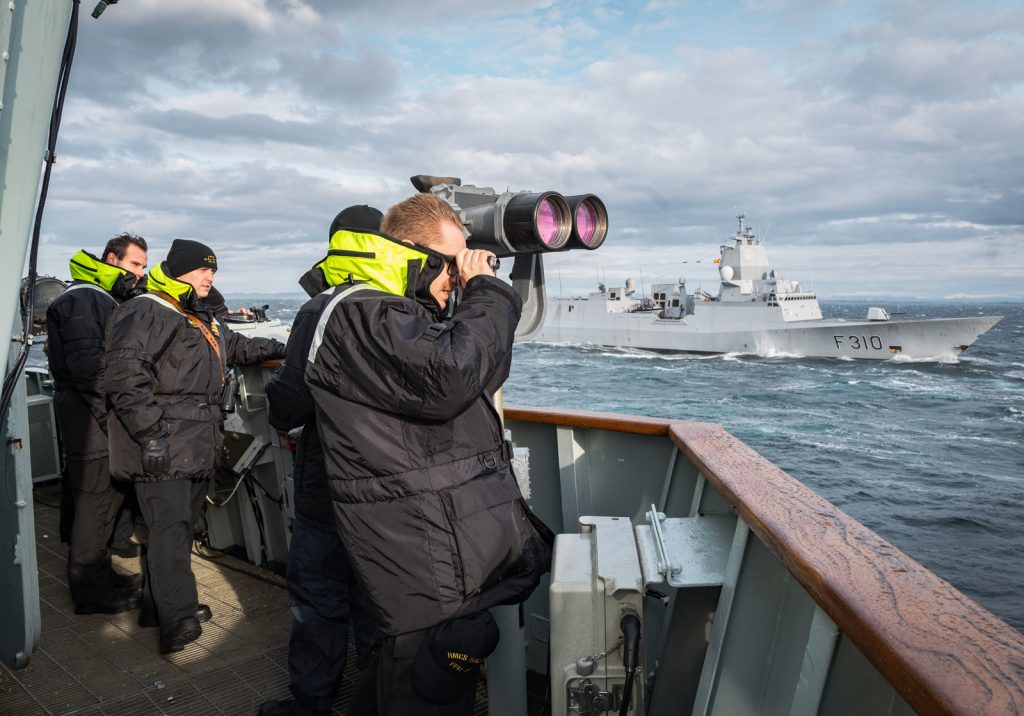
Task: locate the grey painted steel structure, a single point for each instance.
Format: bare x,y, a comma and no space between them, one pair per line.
756,311
31,37
732,632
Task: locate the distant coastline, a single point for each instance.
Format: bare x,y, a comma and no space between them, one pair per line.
287,295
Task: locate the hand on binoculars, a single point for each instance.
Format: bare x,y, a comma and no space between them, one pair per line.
473,262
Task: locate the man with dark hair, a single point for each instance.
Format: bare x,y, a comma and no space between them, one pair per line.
322,586
76,322
124,250
419,470
166,359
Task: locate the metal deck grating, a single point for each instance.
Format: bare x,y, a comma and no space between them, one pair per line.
108,665
100,665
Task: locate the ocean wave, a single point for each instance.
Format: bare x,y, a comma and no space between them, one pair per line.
823,444
984,439
945,360
923,385
776,353
958,523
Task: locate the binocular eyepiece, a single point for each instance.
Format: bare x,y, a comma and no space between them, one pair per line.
494,262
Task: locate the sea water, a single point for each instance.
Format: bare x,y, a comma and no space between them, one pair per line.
928,455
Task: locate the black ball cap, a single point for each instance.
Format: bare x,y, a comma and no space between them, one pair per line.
357,217
450,657
187,255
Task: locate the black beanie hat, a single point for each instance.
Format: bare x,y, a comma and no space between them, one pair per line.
449,658
357,217
186,256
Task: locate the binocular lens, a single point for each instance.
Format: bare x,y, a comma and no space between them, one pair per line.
590,221
549,222
586,223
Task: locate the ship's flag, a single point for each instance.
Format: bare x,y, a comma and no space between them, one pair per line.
718,261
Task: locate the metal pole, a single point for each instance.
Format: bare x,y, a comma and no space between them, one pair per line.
506,666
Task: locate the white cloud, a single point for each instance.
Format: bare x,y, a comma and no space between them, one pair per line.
249,124
258,15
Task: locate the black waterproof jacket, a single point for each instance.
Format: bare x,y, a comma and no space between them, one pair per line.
75,323
164,380
419,469
291,406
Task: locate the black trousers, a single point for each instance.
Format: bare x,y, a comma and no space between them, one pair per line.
385,688
97,500
326,600
124,525
170,509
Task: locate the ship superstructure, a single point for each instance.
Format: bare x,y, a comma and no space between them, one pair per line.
756,311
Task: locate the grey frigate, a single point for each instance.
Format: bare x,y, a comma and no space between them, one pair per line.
756,311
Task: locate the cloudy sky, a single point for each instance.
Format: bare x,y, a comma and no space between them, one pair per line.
877,144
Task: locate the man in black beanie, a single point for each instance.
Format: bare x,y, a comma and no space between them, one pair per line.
186,256
325,594
166,357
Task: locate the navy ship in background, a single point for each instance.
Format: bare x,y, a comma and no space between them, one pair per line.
756,311
752,594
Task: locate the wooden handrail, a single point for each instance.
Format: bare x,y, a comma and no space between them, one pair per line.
942,651
595,421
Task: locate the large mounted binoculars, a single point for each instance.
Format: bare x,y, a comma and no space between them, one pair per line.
521,222
526,225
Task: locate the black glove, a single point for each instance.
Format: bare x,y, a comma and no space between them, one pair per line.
156,456
280,350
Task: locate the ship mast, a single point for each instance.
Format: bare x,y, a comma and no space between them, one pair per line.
744,234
